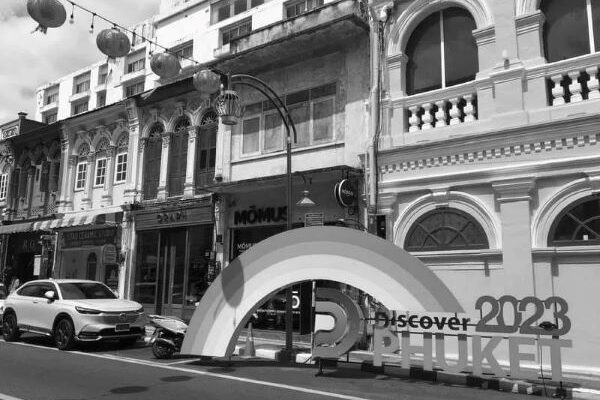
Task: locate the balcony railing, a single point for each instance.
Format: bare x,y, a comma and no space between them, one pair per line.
571,81
441,108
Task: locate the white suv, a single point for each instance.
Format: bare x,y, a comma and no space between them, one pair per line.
71,310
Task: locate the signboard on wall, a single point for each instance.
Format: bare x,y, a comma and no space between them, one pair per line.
88,237
109,254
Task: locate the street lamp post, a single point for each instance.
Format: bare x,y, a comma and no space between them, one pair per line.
228,107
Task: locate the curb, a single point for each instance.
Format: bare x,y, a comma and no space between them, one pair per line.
550,389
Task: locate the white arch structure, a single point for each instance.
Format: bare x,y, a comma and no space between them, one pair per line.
376,266
409,18
458,200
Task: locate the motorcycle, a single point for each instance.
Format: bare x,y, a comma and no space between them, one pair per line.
168,335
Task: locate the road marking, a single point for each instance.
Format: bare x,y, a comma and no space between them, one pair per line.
188,360
7,397
197,372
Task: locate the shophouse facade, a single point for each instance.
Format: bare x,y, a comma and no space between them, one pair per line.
29,180
193,192
487,159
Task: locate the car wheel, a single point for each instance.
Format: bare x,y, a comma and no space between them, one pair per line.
10,329
128,342
161,350
64,334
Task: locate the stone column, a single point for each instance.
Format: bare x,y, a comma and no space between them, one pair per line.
29,191
110,176
64,181
513,198
189,188
164,167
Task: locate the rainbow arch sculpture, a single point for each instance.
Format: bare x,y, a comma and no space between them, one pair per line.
376,266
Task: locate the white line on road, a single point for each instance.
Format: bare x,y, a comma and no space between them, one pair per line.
186,361
197,372
7,397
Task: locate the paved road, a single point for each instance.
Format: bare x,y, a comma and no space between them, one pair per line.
32,370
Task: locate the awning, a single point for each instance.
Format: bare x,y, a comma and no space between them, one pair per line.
14,228
46,225
89,219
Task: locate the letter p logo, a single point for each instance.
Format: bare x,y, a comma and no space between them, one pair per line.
348,325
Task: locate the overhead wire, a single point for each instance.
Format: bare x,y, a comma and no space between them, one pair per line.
125,29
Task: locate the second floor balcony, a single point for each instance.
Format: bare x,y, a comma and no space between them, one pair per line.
320,30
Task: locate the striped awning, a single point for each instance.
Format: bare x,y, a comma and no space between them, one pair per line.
14,228
46,225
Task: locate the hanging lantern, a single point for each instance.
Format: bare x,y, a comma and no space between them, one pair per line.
206,82
47,13
165,65
229,107
113,43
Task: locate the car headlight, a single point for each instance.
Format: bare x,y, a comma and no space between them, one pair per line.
140,310
83,310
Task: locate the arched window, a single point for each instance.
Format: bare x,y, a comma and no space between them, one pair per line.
578,225
446,229
91,265
178,157
206,143
441,51
152,159
571,28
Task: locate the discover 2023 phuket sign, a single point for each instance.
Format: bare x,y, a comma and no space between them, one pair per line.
388,273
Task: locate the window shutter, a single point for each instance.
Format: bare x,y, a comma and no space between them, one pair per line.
45,177
54,173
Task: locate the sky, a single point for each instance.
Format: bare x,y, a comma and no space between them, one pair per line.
29,60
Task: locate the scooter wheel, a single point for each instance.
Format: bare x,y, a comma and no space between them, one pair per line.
161,350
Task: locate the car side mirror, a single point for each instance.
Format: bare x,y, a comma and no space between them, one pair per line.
50,295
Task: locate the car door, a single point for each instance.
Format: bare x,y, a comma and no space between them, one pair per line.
23,303
43,310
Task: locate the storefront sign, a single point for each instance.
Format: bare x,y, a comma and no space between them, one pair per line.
171,216
166,218
37,265
255,215
399,331
345,193
88,237
109,254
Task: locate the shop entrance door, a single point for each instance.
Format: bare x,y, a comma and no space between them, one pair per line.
173,246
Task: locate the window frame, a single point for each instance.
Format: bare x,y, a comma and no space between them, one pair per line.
120,164
229,5
236,25
51,96
445,247
135,62
134,85
3,186
79,104
553,242
81,83
314,4
310,101
101,95
50,114
103,175
80,176
103,74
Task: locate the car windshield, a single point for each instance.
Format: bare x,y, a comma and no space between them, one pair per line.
85,290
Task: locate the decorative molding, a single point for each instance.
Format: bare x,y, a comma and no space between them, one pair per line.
418,10
513,189
530,23
486,35
475,156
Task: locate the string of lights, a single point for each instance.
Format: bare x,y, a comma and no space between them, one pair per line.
122,28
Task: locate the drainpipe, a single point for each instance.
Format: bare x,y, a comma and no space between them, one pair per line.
374,106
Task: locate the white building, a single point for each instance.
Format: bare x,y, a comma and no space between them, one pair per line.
488,165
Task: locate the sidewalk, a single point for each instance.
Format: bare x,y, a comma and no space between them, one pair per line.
269,345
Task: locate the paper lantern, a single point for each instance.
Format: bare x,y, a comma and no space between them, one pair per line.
165,65
113,43
47,13
206,82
